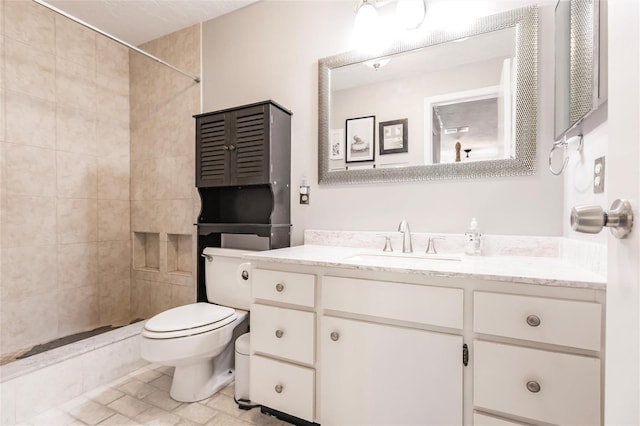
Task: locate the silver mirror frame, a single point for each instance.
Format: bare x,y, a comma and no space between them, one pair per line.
525,20
584,64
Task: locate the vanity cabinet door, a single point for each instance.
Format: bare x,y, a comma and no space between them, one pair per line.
374,374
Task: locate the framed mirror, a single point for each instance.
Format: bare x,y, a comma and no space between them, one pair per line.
578,70
452,105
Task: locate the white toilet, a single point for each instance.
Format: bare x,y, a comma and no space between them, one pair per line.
198,338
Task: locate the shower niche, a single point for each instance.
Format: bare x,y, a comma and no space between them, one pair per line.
243,176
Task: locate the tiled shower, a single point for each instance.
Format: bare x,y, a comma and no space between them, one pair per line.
96,147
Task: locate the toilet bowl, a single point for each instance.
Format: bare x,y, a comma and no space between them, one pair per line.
197,339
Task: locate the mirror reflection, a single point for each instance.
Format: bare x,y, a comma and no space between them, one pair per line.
447,103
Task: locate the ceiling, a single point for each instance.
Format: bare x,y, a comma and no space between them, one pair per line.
139,21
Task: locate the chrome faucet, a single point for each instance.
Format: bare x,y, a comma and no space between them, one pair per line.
406,237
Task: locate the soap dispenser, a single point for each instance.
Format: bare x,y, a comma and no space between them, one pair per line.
473,239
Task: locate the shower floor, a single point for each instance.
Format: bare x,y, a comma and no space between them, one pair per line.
62,341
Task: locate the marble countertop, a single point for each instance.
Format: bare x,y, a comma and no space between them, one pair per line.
551,271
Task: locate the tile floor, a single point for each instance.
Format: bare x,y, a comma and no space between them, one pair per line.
142,398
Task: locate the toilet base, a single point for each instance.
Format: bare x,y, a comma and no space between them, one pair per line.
196,382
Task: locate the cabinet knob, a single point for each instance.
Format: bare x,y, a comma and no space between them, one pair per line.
226,148
278,388
232,147
279,287
335,336
245,275
279,334
533,320
533,387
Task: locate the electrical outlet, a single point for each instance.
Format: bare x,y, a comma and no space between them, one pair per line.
304,195
598,176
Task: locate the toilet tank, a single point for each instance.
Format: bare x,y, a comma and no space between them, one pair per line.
223,272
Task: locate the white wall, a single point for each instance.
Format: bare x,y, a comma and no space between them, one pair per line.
269,50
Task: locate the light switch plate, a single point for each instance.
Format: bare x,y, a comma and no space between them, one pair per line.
598,176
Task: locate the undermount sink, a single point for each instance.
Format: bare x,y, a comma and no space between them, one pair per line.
401,257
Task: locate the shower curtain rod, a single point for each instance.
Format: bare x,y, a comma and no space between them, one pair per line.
117,40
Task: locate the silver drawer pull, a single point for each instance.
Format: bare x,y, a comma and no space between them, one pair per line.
533,320
279,333
334,336
533,387
279,287
278,388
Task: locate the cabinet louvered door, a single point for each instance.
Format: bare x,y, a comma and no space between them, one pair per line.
212,153
250,154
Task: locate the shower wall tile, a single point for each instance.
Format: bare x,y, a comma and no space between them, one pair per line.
112,60
30,321
75,43
77,220
75,85
113,220
23,276
30,171
30,120
184,176
112,104
78,310
1,17
113,178
30,24
28,221
76,130
146,215
115,302
140,294
159,297
113,136
114,261
77,265
29,71
181,295
77,175
64,177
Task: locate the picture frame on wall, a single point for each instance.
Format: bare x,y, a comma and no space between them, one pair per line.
360,139
393,136
336,146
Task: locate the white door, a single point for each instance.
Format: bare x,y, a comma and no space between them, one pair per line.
622,371
375,374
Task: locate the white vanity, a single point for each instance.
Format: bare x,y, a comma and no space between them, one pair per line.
345,336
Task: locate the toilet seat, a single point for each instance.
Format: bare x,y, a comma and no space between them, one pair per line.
188,320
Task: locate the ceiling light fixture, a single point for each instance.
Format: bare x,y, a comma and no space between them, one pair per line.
371,32
376,64
410,14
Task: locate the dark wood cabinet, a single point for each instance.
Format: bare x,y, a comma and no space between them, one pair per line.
243,176
248,145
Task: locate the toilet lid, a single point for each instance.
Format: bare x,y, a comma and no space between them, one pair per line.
188,317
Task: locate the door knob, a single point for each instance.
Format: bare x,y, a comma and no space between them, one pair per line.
591,219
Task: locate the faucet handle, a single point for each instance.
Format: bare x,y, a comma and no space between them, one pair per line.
431,244
387,242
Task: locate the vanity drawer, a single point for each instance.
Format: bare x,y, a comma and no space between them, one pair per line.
569,385
561,322
480,419
285,333
281,386
423,304
286,287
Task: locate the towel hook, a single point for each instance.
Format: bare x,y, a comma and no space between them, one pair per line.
564,143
